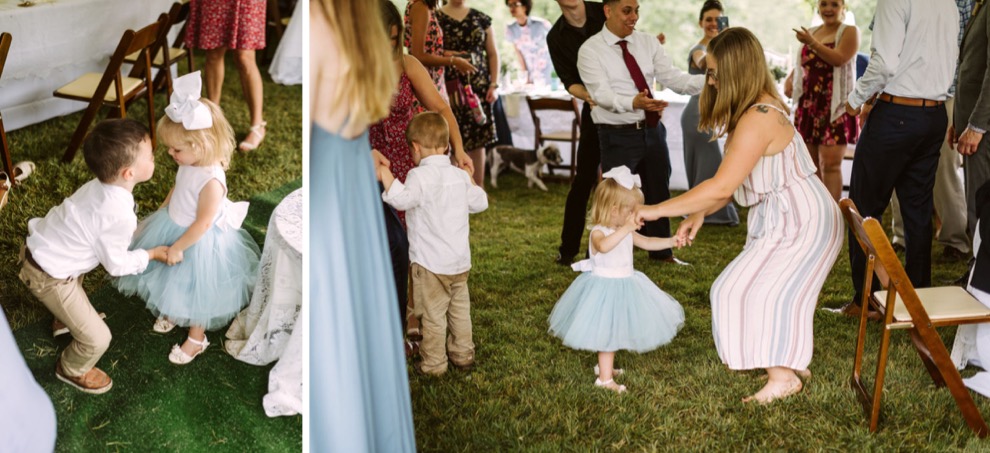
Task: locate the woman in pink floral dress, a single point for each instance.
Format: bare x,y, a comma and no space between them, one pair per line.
239,25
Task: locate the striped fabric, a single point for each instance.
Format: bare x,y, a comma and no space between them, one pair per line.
763,303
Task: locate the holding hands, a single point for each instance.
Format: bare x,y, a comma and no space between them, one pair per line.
173,256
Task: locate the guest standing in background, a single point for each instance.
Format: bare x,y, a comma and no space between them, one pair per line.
359,386
424,39
238,25
702,154
911,68
823,77
578,21
468,36
618,65
528,34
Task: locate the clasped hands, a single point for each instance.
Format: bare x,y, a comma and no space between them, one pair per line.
686,231
166,254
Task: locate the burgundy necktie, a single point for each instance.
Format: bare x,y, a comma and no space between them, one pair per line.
652,118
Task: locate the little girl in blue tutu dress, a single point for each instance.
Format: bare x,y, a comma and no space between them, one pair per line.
212,263
612,306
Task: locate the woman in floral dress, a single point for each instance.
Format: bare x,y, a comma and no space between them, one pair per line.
468,35
822,80
239,25
424,39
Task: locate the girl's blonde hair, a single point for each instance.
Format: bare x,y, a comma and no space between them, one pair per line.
212,145
367,59
743,77
610,194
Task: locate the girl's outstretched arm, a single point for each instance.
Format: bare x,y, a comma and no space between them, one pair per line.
206,209
651,243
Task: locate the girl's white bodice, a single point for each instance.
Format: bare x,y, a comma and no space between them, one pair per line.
189,182
616,263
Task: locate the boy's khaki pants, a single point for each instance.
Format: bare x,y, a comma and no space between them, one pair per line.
443,303
66,300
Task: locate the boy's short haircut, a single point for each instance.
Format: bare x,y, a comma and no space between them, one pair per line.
112,146
429,130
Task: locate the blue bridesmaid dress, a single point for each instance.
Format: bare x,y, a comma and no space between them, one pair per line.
359,394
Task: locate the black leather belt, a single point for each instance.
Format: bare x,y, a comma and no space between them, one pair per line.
636,125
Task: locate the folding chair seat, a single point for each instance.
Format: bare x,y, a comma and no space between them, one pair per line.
550,104
919,311
111,88
167,56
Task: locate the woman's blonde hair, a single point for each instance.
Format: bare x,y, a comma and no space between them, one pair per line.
367,62
610,194
212,145
743,77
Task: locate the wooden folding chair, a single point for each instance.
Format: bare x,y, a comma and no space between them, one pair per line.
112,89
5,161
572,136
903,307
167,56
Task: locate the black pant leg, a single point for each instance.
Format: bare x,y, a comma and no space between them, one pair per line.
655,173
398,244
585,179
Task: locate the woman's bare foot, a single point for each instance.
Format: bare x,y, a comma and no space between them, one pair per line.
775,390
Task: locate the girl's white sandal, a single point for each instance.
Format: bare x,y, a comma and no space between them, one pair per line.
22,170
179,357
615,371
610,385
163,325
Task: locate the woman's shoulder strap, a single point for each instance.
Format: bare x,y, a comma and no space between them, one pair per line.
782,112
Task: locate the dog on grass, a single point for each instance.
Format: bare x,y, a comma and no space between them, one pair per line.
526,161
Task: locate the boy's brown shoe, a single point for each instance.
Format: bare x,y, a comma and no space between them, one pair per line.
95,381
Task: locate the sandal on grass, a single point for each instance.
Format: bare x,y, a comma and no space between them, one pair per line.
615,371
179,357
163,325
256,130
610,385
22,170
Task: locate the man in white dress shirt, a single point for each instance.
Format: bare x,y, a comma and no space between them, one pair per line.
913,60
618,66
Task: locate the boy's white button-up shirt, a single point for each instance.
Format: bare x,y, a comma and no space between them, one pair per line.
92,227
437,198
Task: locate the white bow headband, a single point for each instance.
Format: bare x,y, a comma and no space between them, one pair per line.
184,106
624,177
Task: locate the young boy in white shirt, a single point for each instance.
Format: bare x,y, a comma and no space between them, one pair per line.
92,227
437,198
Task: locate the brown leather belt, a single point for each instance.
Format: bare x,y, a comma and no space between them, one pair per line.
636,125
910,102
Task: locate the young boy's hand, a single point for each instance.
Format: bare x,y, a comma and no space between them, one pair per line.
159,253
174,256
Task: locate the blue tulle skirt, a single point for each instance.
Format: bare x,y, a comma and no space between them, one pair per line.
608,314
208,288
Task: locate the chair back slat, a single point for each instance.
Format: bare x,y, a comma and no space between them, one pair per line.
179,13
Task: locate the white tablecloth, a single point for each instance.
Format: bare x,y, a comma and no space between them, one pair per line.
56,41
266,330
523,133
286,67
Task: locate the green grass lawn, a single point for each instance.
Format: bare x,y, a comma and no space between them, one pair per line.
529,392
213,403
